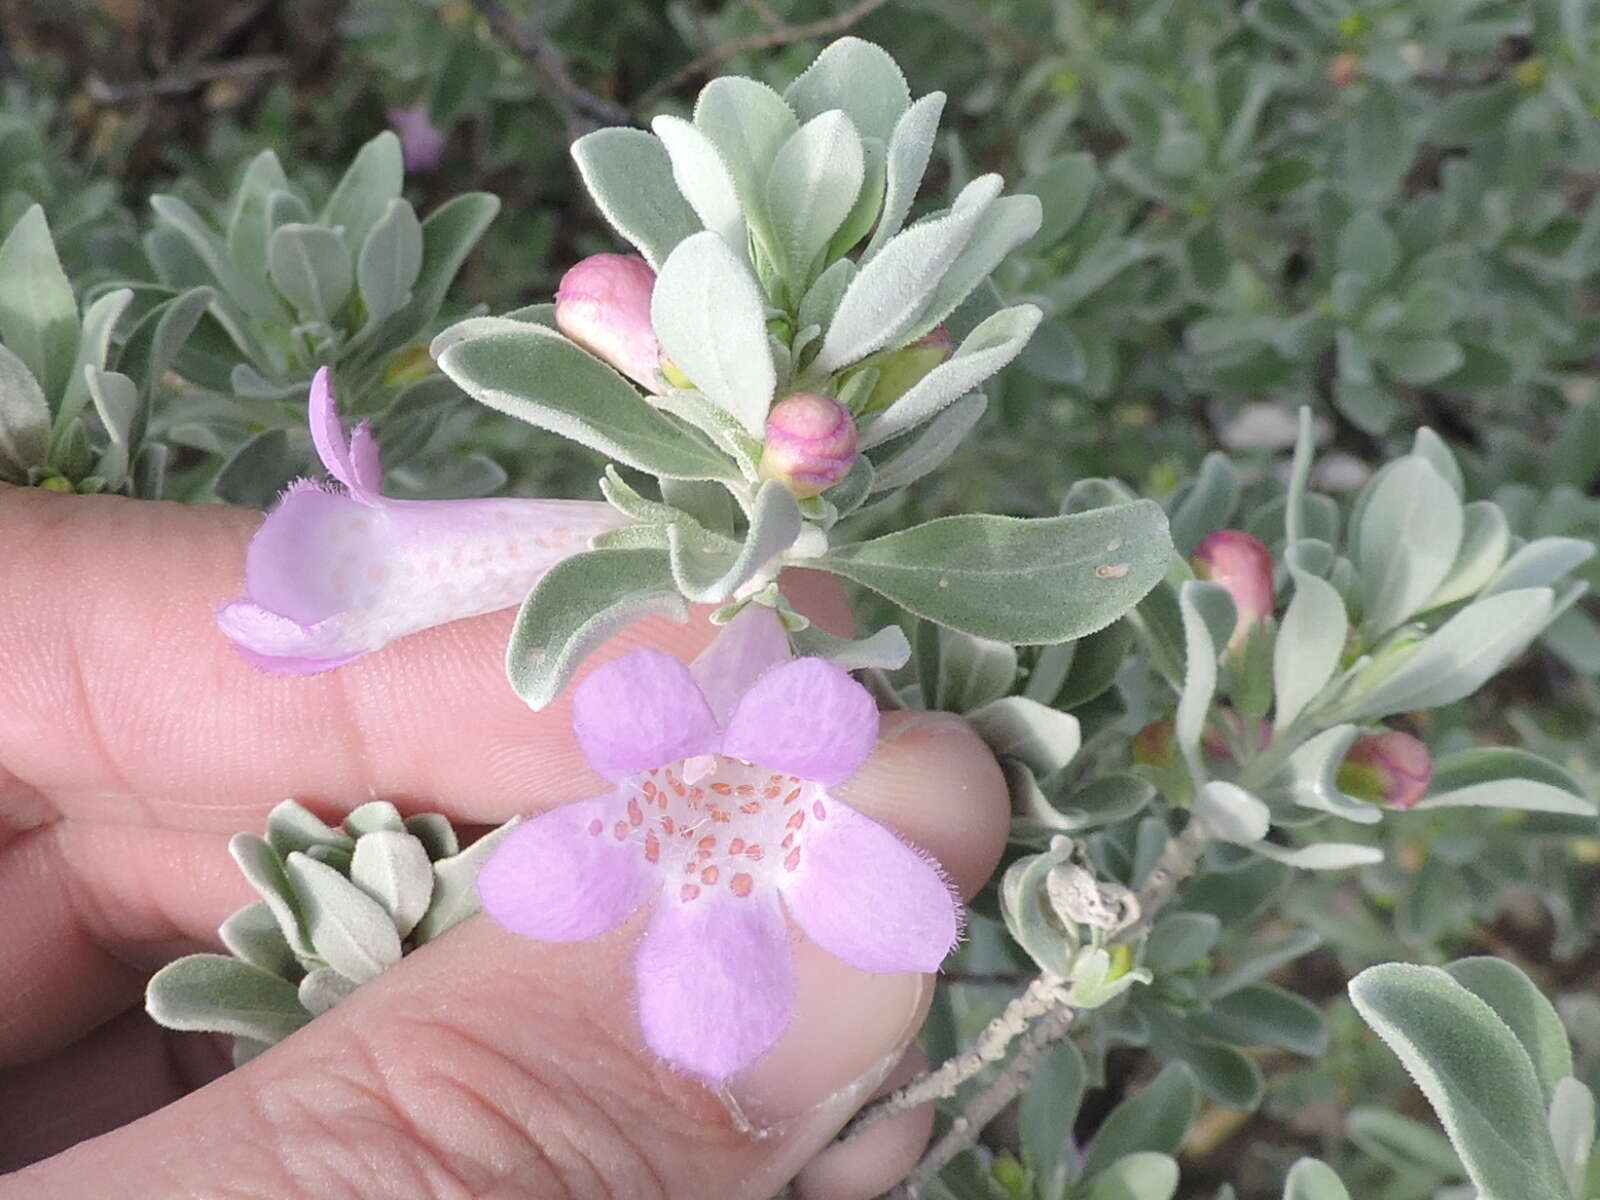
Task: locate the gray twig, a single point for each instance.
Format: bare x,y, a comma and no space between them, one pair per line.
581,109
185,80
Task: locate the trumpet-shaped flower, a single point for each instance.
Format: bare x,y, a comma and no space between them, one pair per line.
722,810
332,574
422,142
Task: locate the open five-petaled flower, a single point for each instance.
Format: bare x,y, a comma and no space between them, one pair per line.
721,809
333,574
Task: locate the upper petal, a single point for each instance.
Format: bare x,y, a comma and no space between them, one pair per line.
808,718
359,475
744,650
643,710
566,876
865,896
716,982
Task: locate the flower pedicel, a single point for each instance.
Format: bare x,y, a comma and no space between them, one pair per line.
722,811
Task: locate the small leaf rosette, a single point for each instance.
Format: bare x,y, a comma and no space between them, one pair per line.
722,812
333,574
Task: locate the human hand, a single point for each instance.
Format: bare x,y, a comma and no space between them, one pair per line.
134,742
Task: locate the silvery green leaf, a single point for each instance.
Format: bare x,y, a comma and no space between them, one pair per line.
186,234
154,343
1309,645
362,196
719,425
1231,814
393,868
987,349
1540,563
437,835
1208,617
885,650
373,816
1473,1071
1179,940
709,568
1022,907
1410,530
262,866
972,671
1314,767
1254,970
116,400
1017,727
252,934
1460,656
1141,1176
703,179
349,929
99,320
390,261
929,447
1046,1113
322,989
1503,777
629,175
579,603
1429,445
1207,506
1485,541
24,416
1060,577
449,233
536,375
909,147
212,993
245,1049
858,77
710,316
747,122
282,208
455,890
1312,1180
38,316
890,292
709,505
1322,856
811,188
1403,1143
1154,1120
821,300
290,827
1572,1129
1368,247
1263,1015
311,267
859,221
248,225
1526,1012
1007,223
1104,801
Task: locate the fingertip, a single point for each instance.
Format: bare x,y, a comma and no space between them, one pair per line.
874,1161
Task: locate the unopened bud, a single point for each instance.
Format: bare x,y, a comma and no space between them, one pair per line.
1344,68
603,304
1391,768
901,370
1152,745
811,443
422,142
57,483
1242,564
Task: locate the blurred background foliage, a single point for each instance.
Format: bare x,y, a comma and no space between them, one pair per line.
1385,210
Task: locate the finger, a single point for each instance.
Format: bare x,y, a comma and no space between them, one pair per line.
872,1162
487,1064
129,705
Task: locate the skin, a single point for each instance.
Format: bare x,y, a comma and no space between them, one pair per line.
134,742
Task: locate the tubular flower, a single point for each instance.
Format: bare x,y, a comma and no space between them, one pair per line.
1242,564
1391,768
811,443
721,810
422,142
332,574
603,304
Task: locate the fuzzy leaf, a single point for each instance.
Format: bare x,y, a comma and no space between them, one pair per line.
212,993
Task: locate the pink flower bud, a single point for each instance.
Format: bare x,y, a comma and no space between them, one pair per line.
811,443
1242,565
1390,768
421,141
1153,745
603,304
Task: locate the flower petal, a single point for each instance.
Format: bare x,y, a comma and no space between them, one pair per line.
327,434
744,650
641,711
328,576
565,876
716,982
808,718
865,896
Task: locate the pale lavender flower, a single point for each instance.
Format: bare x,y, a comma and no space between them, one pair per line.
810,445
422,142
603,304
333,574
722,811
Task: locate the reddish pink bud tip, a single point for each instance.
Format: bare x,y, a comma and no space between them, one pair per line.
1390,768
603,304
811,443
1242,564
